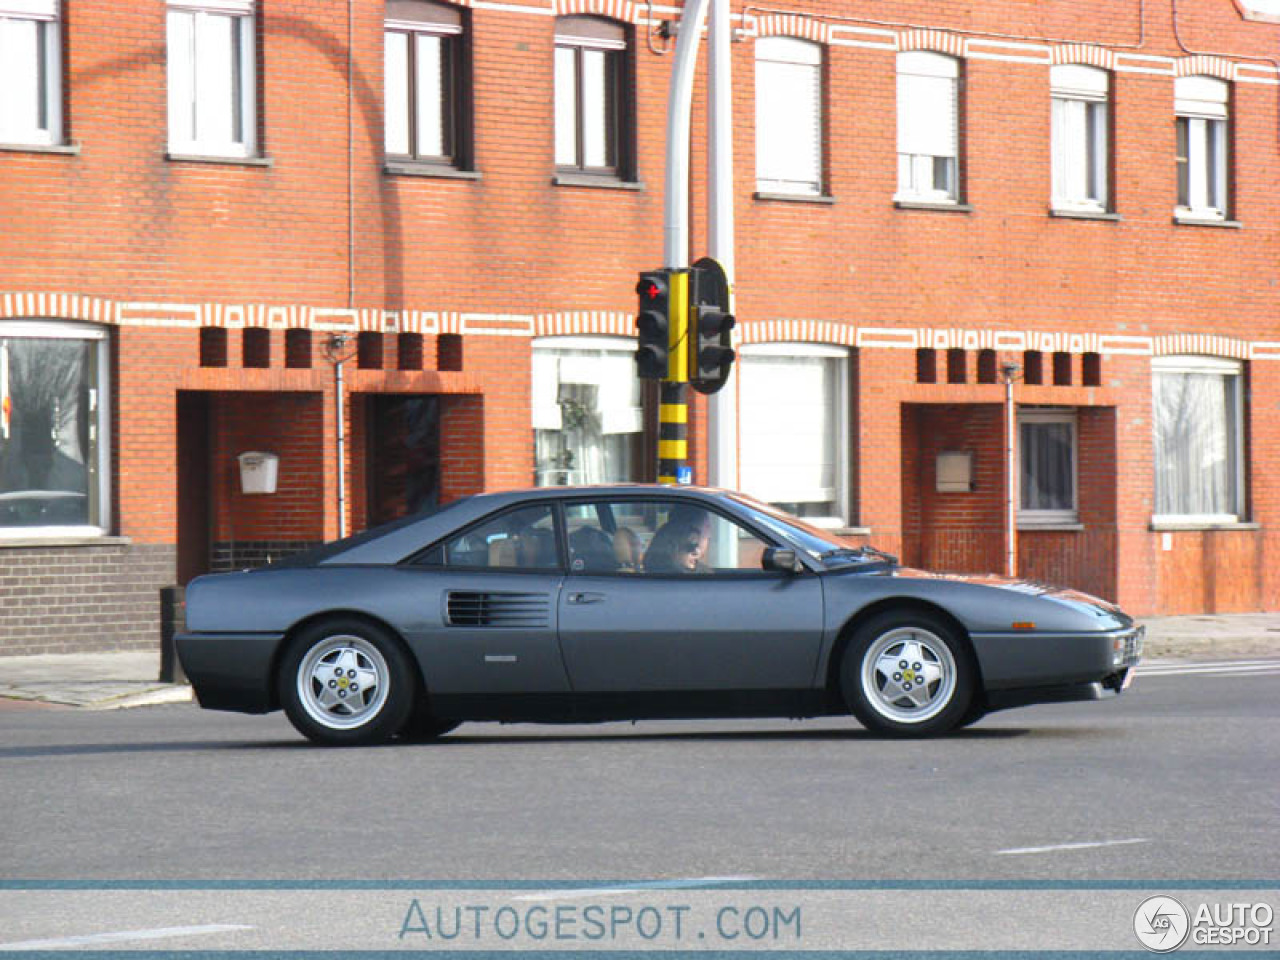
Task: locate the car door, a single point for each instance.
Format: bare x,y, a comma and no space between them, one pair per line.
638,612
488,600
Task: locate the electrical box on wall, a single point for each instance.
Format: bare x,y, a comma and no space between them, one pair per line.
955,471
258,471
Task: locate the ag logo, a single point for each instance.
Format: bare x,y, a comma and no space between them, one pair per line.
1161,923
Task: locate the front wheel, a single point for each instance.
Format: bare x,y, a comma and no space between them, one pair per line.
345,682
907,674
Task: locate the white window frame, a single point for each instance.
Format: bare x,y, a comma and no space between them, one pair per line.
45,16
414,96
1033,518
789,151
840,415
1202,104
569,110
1227,368
1080,108
919,146
72,330
183,69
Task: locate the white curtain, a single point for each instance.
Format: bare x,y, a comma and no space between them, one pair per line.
1195,434
1047,471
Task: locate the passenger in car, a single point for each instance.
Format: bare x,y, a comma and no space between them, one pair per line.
626,550
680,546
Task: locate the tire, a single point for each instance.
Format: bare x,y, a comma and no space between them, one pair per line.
345,682
931,695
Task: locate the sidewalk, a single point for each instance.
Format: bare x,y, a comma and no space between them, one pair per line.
109,681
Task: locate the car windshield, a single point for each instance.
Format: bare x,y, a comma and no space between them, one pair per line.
825,546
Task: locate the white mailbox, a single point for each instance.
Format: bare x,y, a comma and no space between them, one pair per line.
258,471
955,471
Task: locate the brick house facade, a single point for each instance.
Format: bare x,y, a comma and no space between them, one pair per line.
203,287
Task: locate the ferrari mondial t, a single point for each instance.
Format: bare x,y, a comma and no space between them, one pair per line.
588,604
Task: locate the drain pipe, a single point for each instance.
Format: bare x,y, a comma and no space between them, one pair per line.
334,352
1010,371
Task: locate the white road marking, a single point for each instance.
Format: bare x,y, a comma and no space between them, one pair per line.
1071,846
685,884
122,936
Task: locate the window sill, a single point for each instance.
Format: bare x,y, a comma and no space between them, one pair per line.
64,149
63,540
1065,213
1173,526
411,168
820,199
1064,527
232,161
1194,220
597,182
930,205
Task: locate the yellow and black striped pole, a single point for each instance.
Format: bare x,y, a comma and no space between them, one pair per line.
673,412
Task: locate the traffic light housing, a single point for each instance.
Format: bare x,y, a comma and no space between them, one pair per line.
653,325
711,326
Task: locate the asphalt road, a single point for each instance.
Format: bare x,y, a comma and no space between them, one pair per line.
1178,779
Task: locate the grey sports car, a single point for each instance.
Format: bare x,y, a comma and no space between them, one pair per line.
586,604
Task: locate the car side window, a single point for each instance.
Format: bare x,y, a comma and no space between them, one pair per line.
523,539
657,538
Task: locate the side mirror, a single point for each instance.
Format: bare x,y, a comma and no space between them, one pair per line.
782,560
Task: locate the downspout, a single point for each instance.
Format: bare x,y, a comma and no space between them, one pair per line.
335,355
1010,371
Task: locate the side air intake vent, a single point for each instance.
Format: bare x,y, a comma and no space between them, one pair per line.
525,610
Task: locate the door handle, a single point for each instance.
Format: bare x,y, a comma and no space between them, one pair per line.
585,597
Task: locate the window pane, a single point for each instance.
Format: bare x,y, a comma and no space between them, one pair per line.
520,540
432,62
1195,443
788,434
48,432
1183,155
21,71
596,137
1216,175
181,76
789,126
587,415
396,86
657,537
566,106
216,62
1047,468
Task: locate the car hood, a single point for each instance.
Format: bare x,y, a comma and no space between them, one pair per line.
1075,599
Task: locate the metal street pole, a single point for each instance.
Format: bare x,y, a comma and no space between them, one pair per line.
722,406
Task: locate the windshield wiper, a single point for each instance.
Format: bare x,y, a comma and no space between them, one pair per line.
866,551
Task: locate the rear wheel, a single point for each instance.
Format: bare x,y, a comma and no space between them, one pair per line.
907,674
345,682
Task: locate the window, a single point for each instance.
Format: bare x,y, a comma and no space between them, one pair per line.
212,85
53,423
1201,107
1198,412
788,116
794,420
587,419
657,537
518,540
424,82
588,94
1081,148
928,127
30,72
1047,454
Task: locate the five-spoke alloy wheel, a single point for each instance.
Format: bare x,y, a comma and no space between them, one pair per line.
347,682
907,674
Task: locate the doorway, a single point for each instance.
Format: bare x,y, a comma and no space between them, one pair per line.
402,455
193,468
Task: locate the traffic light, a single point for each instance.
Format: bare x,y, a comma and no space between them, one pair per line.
653,325
711,356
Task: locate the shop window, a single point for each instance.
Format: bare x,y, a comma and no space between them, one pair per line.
212,78
54,418
794,428
588,425
30,72
1198,409
1047,456
788,116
